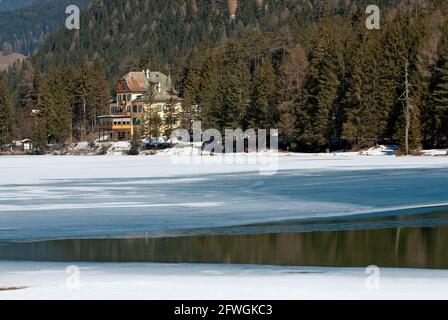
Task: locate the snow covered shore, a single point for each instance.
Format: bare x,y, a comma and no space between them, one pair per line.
197,282
21,169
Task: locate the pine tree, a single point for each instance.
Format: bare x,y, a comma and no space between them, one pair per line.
24,100
192,96
210,78
171,117
98,94
364,117
248,11
292,74
224,89
39,126
317,110
262,111
48,110
413,85
80,116
376,74
439,94
151,121
6,114
58,106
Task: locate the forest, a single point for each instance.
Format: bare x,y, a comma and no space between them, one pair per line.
8,5
25,24
310,68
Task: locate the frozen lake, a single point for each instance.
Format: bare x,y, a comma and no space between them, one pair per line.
156,198
84,197
328,210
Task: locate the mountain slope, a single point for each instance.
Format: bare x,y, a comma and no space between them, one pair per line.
308,67
8,5
124,32
24,29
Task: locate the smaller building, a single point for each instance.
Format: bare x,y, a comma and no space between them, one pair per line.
25,145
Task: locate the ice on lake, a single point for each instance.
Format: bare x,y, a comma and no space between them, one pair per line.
72,197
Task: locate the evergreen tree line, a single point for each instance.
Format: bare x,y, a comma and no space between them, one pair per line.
55,107
343,92
23,29
312,71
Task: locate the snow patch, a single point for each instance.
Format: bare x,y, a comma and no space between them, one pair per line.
435,152
380,150
119,148
42,280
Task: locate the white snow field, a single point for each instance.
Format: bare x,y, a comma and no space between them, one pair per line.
214,282
21,169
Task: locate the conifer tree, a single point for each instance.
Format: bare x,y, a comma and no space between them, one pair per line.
412,85
248,11
210,78
317,110
6,114
232,94
263,108
47,107
192,96
58,105
365,118
80,115
171,117
151,121
439,93
99,94
39,126
24,100
292,74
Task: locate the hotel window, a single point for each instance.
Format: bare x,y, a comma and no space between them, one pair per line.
121,135
129,97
